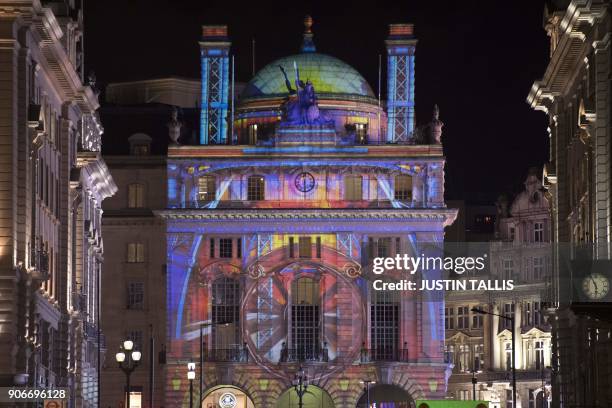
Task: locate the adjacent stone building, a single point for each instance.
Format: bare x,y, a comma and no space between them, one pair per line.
53,183
575,94
480,346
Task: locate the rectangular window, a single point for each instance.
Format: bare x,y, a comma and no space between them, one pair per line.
511,232
477,321
135,296
463,318
225,248
385,325
383,248
212,248
206,188
449,318
508,312
136,337
318,247
539,355
403,188
135,252
255,188
305,247
291,248
135,195
509,399
507,269
538,268
532,402
353,188
305,320
239,248
538,232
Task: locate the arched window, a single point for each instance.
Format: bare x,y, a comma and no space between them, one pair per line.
403,187
256,188
305,319
385,325
226,316
206,188
353,187
135,195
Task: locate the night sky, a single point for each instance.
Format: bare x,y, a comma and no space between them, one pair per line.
475,59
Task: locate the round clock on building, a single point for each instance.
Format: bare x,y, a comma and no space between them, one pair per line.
595,286
304,182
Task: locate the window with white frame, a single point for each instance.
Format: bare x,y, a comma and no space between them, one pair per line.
508,355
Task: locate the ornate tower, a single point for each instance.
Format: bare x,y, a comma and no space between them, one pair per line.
401,45
214,53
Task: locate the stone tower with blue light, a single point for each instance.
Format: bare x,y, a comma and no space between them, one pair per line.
214,55
401,45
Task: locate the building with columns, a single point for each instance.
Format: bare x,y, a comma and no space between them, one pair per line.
574,92
479,346
53,184
274,215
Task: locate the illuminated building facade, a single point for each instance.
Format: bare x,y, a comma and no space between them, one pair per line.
53,184
271,235
479,346
574,92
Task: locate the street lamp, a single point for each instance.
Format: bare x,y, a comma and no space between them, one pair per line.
191,376
300,384
128,359
366,389
511,320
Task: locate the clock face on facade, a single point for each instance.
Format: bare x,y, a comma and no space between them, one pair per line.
304,182
595,286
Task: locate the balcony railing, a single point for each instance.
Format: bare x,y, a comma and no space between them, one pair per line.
383,354
40,261
238,354
304,354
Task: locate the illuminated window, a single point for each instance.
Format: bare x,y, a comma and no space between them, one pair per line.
508,352
135,195
463,395
539,355
226,313
255,188
353,188
361,132
305,247
385,324
403,187
225,248
206,188
135,252
305,319
135,296
253,134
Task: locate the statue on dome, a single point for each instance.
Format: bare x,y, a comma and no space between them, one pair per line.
300,107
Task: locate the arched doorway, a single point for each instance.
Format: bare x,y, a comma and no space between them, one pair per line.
386,396
315,397
227,396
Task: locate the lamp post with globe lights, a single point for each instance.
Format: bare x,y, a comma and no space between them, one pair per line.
366,389
300,385
128,359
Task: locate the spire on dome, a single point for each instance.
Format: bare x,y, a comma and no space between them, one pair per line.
308,44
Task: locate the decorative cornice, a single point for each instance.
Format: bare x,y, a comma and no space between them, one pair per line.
444,215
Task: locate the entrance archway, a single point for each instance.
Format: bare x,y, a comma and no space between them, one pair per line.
227,396
315,397
387,396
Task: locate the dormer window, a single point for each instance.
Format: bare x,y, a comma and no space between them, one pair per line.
140,144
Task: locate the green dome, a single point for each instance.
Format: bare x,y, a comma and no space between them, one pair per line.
328,74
